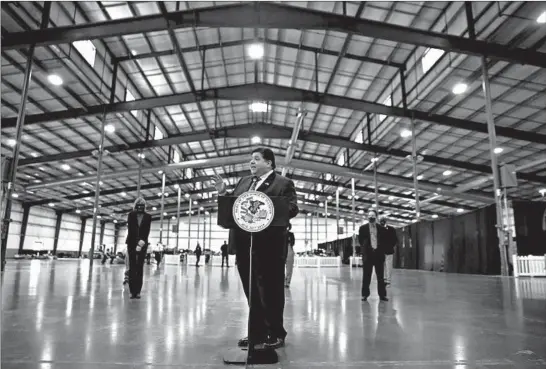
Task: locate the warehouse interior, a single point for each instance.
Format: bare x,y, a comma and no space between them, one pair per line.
431,113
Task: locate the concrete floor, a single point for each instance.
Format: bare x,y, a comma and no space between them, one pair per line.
58,315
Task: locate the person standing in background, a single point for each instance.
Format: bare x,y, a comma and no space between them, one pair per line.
391,242
138,230
291,240
197,253
224,250
372,240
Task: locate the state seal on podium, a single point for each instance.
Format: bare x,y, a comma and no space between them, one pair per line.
253,211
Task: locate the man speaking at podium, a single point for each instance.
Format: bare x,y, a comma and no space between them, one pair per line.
266,328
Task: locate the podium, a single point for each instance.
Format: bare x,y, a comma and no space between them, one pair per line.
226,219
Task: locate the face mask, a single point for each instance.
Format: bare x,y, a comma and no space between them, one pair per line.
371,220
140,208
383,222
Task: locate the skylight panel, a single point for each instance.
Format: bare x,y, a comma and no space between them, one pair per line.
430,58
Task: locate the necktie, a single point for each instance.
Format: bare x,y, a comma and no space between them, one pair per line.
254,183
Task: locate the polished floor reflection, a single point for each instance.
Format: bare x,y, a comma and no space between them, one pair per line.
59,315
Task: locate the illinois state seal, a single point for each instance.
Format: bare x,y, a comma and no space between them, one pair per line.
253,211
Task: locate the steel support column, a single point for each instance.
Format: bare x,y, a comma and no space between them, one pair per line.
210,229
58,221
82,234
198,223
163,178
6,216
139,179
337,212
101,234
189,223
353,210
494,165
413,147
178,219
24,223
204,231
99,165
116,236
326,220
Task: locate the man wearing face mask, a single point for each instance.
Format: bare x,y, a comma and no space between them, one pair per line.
391,241
266,328
138,230
372,239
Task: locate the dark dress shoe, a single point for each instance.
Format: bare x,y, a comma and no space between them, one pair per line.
364,298
383,299
243,342
274,343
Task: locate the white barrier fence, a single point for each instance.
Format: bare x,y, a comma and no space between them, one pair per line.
316,262
529,266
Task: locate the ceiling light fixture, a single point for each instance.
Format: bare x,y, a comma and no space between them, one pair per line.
110,128
542,18
435,216
34,154
256,140
51,204
460,210
78,211
55,80
65,167
542,191
447,173
419,177
187,195
256,51
258,107
124,194
11,142
14,195
498,150
459,88
154,208
405,133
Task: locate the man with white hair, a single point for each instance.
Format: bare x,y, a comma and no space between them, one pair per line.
138,230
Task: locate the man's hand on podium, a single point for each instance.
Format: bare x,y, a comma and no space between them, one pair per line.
219,184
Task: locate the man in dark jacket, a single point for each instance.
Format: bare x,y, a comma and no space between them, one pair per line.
266,328
225,257
289,257
372,240
391,242
138,230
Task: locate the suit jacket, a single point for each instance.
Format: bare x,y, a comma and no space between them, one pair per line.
135,232
271,241
391,240
365,239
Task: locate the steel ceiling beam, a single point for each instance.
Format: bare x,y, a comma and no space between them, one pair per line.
268,92
271,15
319,167
267,41
238,174
270,131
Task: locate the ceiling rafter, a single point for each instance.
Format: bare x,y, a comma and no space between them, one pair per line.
268,92
270,131
271,15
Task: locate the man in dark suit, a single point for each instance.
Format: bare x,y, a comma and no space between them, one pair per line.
391,241
138,230
372,240
266,328
225,256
